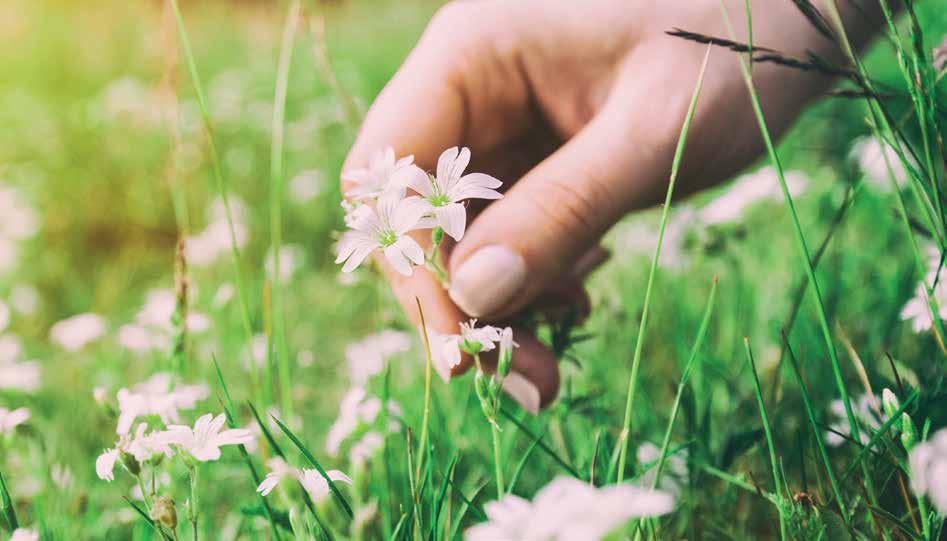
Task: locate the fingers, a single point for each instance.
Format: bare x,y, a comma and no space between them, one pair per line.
521,244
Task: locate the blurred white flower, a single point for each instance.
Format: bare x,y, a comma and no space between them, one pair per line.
364,449
10,348
674,474
255,353
140,446
204,441
748,190
205,248
478,339
445,352
568,510
24,299
156,396
162,479
130,99
928,462
291,257
306,185
20,221
356,410
384,174
870,153
640,237
917,310
4,316
22,376
305,358
223,295
61,476
384,228
9,254
10,419
105,464
444,192
867,411
74,333
310,479
367,356
940,56
24,534
153,328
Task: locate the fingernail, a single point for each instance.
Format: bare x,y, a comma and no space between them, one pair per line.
487,280
525,393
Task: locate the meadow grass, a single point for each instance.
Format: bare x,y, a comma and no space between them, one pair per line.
266,101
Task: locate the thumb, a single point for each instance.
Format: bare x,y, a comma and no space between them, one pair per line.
528,241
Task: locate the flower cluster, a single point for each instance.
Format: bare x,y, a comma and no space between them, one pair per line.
867,411
152,329
156,396
928,461
568,509
382,213
76,332
473,340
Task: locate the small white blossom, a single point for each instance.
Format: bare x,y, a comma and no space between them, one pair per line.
4,316
674,474
105,464
356,410
290,260
306,185
870,155
928,462
310,479
24,299
21,376
479,339
444,192
24,534
384,227
367,357
568,510
156,396
866,409
141,446
74,333
10,419
383,175
204,441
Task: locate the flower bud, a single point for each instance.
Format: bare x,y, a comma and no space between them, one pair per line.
908,432
437,235
163,512
890,403
482,386
471,347
507,344
131,463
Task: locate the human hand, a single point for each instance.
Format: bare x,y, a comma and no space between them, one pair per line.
577,108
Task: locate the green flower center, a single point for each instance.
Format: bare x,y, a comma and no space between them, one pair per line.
388,237
439,200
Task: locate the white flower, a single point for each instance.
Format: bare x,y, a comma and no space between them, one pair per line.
20,221
12,419
317,486
444,192
384,228
290,260
928,461
204,441
363,450
640,237
674,474
940,56
867,411
206,247
445,352
568,510
356,410
479,339
306,185
62,476
10,348
23,376
24,534
310,479
24,299
4,316
223,295
870,153
367,356
155,396
74,333
384,174
748,190
105,464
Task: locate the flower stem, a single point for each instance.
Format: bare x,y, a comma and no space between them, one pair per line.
435,260
428,368
192,502
498,464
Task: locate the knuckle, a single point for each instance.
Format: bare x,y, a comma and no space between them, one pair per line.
567,205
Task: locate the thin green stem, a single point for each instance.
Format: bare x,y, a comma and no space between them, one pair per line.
221,187
767,430
276,210
636,361
497,459
428,376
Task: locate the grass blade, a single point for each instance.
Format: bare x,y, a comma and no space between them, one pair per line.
665,212
548,450
7,502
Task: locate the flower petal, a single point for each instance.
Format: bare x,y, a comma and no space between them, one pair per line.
445,162
453,219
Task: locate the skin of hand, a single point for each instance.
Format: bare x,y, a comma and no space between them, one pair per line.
577,107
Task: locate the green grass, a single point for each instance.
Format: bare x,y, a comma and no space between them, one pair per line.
113,193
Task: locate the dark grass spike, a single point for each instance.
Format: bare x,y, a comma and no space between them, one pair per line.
529,433
469,501
266,432
897,375
9,511
312,460
148,519
734,46
397,532
889,517
816,19
812,64
227,405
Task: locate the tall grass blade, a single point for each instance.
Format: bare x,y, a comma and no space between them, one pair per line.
665,213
